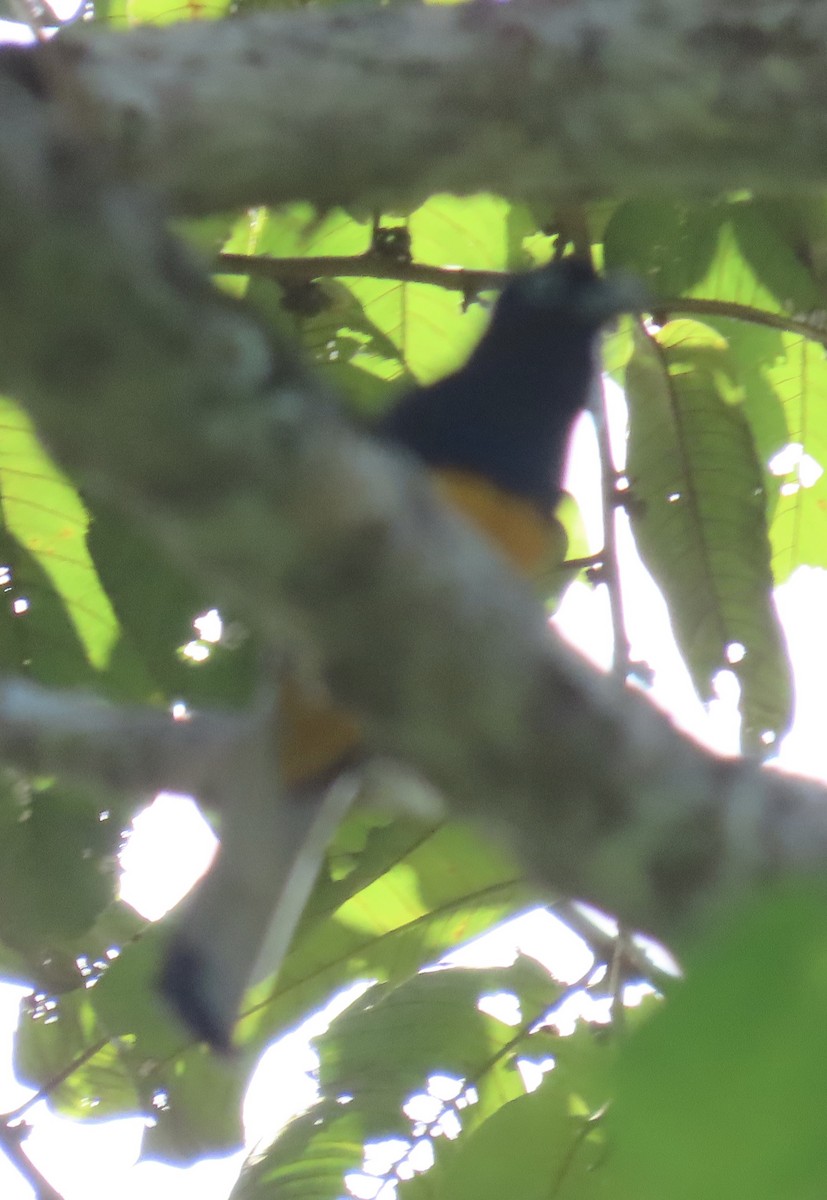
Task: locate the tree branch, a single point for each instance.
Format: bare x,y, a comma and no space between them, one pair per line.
11,1140
381,107
371,265
155,391
375,265
137,751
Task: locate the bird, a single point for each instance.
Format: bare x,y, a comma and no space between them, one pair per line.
493,436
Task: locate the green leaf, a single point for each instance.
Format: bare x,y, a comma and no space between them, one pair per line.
776,265
381,1052
120,1000
414,894
723,1093
754,349
799,527
37,637
433,328
698,515
404,907
672,245
782,375
426,329
43,513
801,222
112,1050
156,604
350,350
317,1150
57,863
120,14
538,1146
68,962
355,353
64,1050
197,1108
383,1049
61,1047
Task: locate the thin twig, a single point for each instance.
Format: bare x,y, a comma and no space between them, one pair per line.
582,563
11,1140
371,264
610,575
603,942
384,266
811,325
43,1093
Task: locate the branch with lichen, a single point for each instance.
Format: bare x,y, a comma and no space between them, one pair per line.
380,107
158,393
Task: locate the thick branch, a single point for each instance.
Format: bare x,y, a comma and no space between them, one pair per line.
384,106
132,750
156,391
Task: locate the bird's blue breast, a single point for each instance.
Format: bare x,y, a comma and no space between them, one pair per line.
505,415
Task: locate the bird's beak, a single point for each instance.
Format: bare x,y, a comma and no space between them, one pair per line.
620,292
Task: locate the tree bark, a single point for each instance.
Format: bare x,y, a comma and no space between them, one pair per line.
157,392
381,107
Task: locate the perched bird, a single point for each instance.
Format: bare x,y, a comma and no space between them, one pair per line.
494,436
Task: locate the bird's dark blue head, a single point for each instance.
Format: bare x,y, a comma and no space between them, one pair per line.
567,295
506,415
